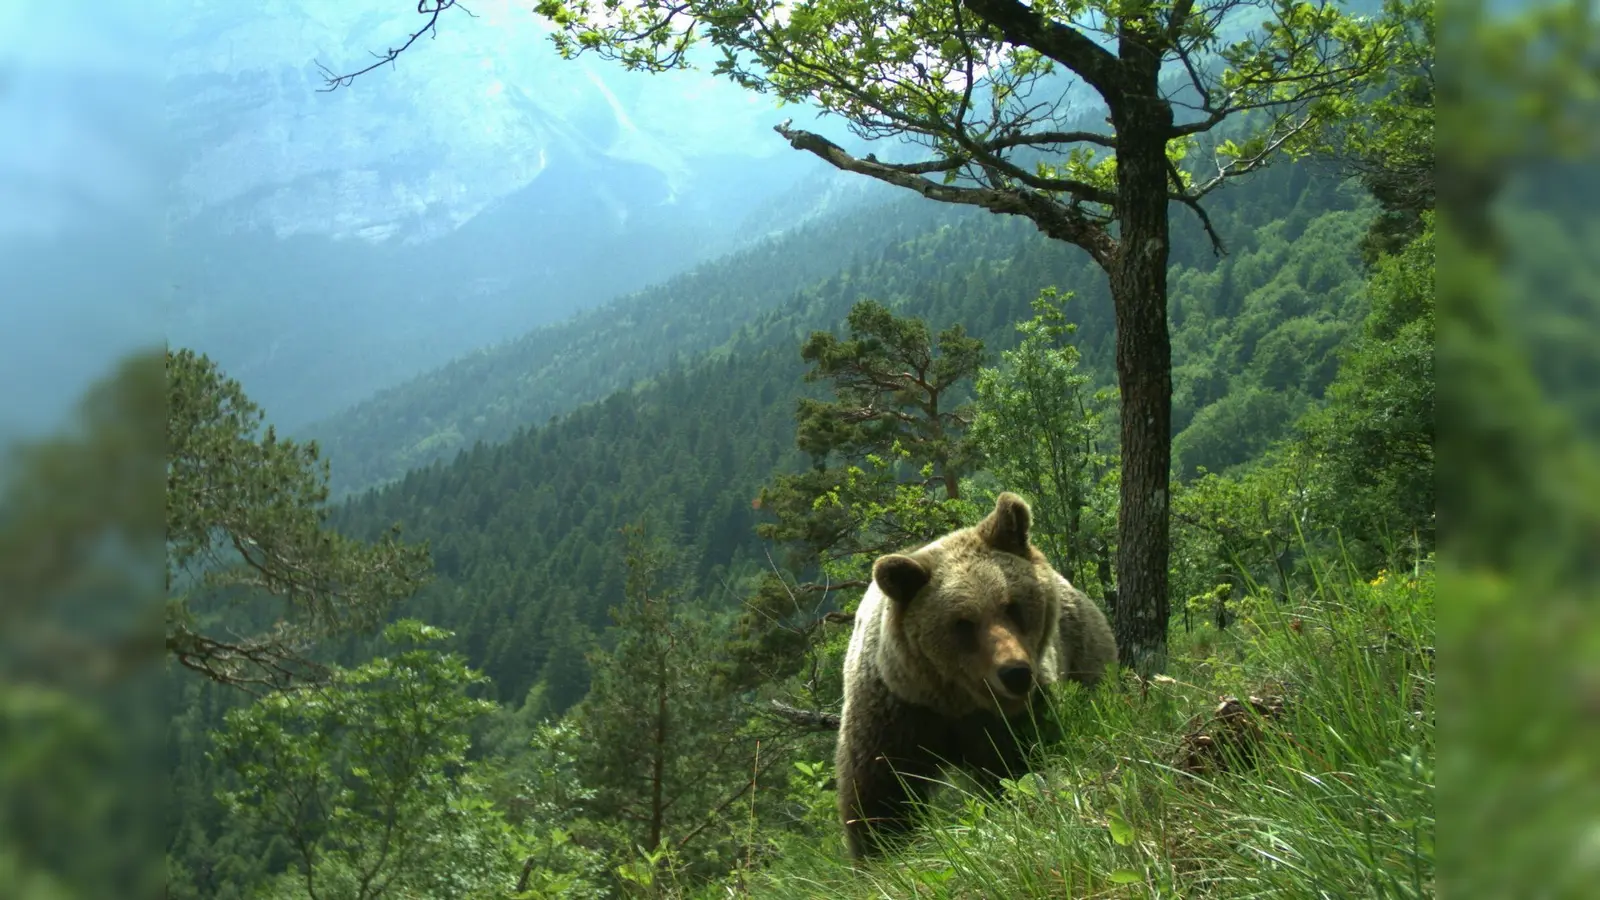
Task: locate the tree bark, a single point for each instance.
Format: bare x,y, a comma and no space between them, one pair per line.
1102,562
952,483
658,775
1138,277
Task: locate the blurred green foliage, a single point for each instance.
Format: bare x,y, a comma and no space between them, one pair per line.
1519,299
82,784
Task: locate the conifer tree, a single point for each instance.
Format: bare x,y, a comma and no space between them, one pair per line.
661,748
888,453
246,521
895,419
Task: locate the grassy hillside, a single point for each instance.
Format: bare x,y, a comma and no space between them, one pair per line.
1288,756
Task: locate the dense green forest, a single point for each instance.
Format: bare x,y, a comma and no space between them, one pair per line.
524,528
524,534
893,250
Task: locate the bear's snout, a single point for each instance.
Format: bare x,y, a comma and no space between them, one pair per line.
1017,678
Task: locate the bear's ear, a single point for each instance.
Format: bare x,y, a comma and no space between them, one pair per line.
900,577
1006,528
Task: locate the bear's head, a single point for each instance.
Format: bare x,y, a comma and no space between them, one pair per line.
972,618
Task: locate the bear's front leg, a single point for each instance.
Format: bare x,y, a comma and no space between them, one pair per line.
886,762
992,749
877,798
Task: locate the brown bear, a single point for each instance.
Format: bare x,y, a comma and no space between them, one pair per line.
953,644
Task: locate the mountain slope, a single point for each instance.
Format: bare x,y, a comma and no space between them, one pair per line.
492,392
522,532
328,245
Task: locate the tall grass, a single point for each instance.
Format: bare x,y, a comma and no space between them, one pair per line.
1335,798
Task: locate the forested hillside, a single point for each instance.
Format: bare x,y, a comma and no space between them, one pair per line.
520,531
490,394
524,534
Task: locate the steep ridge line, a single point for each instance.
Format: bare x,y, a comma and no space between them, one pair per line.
489,394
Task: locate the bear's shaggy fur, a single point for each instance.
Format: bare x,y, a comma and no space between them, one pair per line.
952,646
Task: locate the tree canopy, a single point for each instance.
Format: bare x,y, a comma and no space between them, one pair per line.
245,518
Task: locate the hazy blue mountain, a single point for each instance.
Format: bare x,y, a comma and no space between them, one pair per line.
329,244
323,246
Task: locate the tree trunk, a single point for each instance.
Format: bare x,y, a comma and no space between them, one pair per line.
1075,544
952,479
952,483
1138,279
1108,585
658,764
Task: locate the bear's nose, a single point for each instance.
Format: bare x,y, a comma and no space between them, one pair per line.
1017,678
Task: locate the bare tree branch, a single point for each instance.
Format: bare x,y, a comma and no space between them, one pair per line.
1024,26
1009,142
814,588
1063,221
430,8
1246,165
810,719
255,665
1178,18
1194,204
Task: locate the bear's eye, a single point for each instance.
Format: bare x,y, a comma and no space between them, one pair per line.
1017,614
966,629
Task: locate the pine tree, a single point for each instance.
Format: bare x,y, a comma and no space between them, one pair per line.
246,520
661,748
888,454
